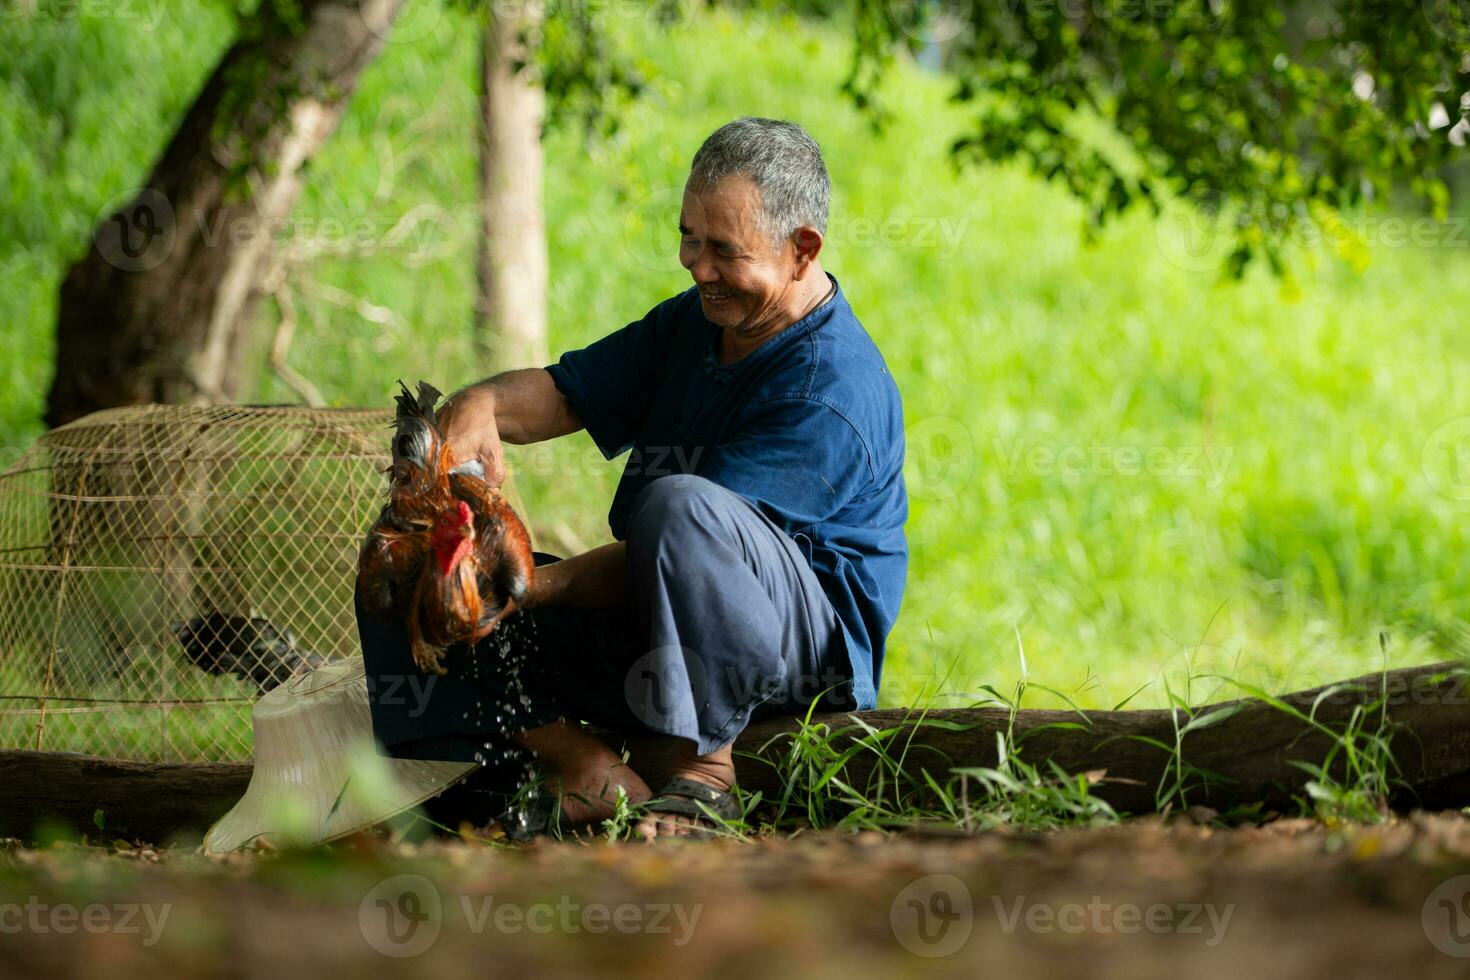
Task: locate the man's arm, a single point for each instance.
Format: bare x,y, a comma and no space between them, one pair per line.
596,579
518,407
521,407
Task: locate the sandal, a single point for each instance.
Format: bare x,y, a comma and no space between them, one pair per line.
699,801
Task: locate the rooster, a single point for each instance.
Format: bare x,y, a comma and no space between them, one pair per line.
447,554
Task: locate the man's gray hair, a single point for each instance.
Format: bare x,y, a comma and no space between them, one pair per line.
784,163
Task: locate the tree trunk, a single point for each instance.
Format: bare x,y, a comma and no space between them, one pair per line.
159,310
1251,749
511,267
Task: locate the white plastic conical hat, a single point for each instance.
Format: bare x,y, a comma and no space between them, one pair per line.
318,773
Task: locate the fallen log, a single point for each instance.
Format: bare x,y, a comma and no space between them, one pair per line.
150,801
1249,746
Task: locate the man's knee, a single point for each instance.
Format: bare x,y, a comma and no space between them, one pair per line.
671,507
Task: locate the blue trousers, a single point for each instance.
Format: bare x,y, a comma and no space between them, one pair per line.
726,623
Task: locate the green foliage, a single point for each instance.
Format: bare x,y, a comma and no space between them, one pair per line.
1266,114
817,790
813,762
588,72
624,820
1355,778
1180,777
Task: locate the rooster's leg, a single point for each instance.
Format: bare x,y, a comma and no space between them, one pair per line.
430,659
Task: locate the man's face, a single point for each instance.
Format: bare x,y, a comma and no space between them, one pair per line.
744,281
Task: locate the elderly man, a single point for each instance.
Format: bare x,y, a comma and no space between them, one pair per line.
760,556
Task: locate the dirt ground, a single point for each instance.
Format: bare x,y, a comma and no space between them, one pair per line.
1289,899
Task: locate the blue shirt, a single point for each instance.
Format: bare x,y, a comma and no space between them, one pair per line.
808,427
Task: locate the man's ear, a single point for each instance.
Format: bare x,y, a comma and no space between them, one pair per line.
808,244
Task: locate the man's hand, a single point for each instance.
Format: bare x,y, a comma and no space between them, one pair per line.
596,579
520,406
468,422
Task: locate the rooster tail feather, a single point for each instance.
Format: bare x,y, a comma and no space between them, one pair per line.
428,397
417,430
417,406
420,405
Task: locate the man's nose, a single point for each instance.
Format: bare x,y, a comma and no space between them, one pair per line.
703,268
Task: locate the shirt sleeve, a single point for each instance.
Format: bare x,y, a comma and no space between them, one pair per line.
800,461
611,383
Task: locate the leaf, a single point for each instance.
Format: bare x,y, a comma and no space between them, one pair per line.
1214,717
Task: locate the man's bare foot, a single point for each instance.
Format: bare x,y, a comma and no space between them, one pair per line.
716,769
585,772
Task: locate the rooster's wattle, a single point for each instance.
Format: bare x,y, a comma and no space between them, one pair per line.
447,554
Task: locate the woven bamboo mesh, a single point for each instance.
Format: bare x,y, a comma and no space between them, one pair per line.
162,566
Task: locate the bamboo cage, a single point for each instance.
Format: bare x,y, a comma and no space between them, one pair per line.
162,566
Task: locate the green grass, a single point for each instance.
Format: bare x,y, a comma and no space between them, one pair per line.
1287,519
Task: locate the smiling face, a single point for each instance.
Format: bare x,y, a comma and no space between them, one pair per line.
747,284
